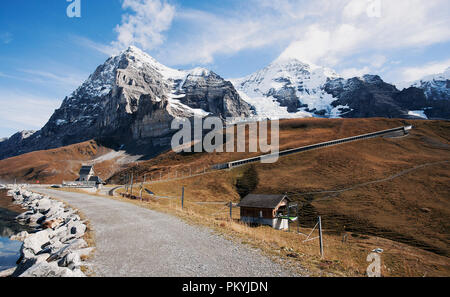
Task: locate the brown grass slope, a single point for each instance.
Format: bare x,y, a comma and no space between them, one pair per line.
412,208
56,165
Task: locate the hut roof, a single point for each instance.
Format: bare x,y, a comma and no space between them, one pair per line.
262,201
85,170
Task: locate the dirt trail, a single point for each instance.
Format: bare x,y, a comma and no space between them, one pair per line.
134,241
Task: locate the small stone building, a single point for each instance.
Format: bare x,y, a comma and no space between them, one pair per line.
87,175
265,210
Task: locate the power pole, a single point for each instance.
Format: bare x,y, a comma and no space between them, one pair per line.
182,198
288,217
320,237
142,187
131,183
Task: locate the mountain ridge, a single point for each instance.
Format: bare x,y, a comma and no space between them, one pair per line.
130,100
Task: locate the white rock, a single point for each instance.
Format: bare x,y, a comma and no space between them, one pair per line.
24,216
7,273
72,261
43,205
69,247
45,269
20,236
36,241
76,228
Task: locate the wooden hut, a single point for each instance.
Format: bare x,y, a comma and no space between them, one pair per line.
265,210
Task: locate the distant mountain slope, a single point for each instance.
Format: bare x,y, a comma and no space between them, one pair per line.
133,98
288,89
436,87
291,89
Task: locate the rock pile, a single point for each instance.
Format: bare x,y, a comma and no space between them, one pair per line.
56,248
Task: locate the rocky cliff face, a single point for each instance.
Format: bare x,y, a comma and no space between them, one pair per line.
132,98
370,96
12,145
435,87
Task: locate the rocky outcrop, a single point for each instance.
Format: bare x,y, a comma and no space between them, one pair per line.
132,99
55,249
15,144
207,91
436,87
368,96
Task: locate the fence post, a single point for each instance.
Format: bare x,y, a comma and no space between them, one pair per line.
231,210
320,237
288,217
132,183
182,198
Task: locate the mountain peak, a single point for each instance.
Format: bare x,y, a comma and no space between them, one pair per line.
138,55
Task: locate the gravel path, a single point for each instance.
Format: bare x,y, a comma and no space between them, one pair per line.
135,241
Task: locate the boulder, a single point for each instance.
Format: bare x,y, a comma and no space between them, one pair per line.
36,241
45,269
76,228
43,205
72,261
70,246
52,224
20,236
7,273
25,216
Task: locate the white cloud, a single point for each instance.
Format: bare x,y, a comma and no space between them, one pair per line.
403,24
323,32
409,74
355,72
145,25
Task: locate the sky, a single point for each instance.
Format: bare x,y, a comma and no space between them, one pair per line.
45,54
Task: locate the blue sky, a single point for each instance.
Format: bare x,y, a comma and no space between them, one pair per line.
45,55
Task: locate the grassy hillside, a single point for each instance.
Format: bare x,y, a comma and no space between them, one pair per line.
56,165
392,188
391,193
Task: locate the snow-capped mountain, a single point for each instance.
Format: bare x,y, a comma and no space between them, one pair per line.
436,87
291,89
288,88
435,102
132,98
10,144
